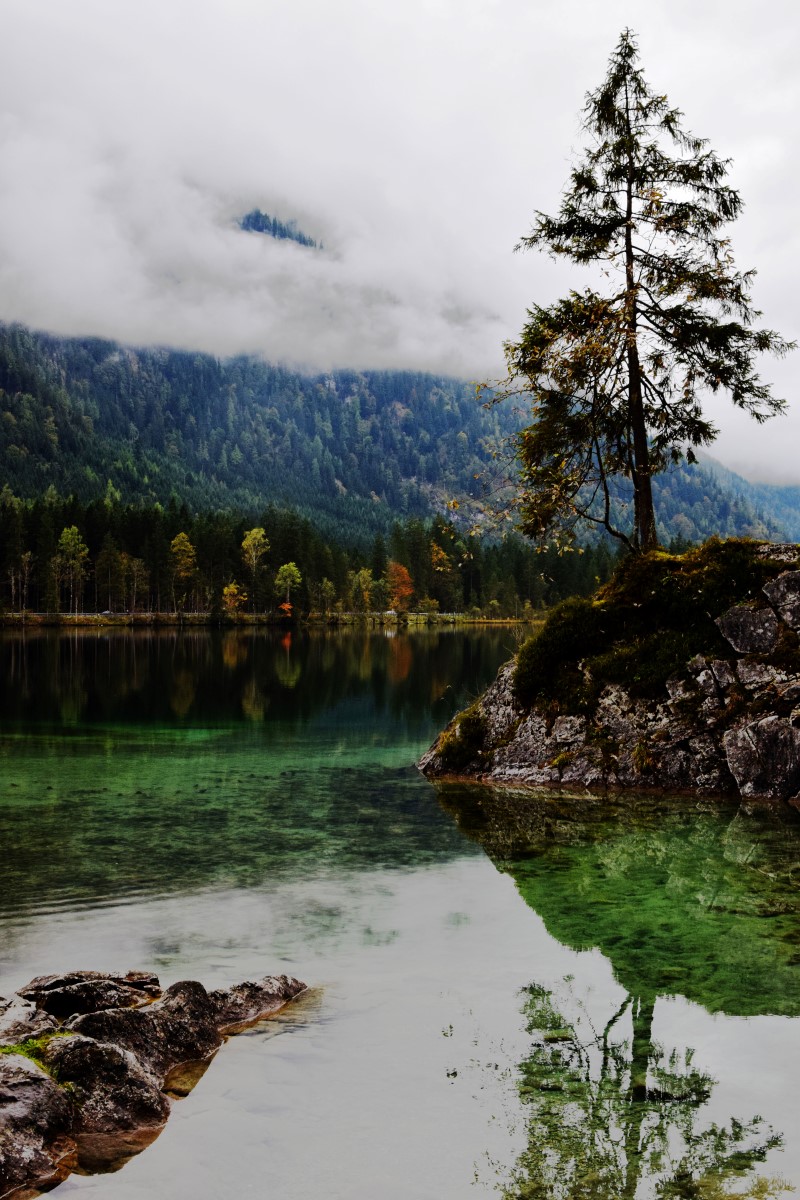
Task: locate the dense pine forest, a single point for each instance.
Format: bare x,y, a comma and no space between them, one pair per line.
354,451
257,221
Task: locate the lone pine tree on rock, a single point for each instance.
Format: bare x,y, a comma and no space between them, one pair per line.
616,378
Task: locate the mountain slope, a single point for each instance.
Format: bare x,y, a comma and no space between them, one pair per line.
352,450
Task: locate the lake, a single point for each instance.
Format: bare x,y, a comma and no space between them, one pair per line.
513,995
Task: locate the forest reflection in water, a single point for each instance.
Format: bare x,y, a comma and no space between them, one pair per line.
690,901
153,762
208,675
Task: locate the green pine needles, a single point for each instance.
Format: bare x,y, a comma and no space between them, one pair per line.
616,379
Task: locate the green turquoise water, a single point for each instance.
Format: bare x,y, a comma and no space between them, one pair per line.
513,995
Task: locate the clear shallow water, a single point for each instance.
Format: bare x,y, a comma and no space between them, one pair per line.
217,807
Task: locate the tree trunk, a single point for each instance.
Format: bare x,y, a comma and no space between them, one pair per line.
644,527
641,1051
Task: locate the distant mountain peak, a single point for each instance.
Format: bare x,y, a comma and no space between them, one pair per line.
257,221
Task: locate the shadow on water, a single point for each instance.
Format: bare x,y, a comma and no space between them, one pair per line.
683,899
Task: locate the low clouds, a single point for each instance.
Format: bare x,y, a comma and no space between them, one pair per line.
414,140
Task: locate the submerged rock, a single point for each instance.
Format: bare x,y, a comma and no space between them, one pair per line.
245,1003
99,1056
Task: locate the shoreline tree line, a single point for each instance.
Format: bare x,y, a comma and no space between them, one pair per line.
61,555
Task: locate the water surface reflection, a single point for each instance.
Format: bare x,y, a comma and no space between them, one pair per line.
687,903
538,996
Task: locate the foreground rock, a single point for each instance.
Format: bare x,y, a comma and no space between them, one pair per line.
727,723
90,1061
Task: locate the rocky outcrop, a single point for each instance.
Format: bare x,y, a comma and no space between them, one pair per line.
724,725
89,1063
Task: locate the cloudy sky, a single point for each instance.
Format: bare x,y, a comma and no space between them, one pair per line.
413,139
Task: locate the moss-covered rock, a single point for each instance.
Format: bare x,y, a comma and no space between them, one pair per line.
667,677
463,740
658,611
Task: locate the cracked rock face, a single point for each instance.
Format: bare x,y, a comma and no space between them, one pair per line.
783,594
764,758
749,630
92,1091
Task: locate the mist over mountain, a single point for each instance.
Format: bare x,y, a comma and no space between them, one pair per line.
351,450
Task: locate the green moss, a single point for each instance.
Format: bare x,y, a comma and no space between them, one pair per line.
642,759
563,759
656,612
463,742
33,1048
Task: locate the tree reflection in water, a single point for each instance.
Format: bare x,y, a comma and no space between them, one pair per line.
611,1117
698,901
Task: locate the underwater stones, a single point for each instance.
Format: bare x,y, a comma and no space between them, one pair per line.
36,1120
764,758
749,630
783,594
241,1005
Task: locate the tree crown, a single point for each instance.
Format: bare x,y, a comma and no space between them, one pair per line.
617,379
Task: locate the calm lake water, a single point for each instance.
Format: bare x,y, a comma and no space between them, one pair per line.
509,996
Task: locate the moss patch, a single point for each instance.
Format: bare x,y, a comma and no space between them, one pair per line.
461,744
33,1048
643,626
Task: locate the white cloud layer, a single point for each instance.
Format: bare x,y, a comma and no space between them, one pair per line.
415,140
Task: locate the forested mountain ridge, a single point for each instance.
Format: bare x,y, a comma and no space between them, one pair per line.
351,450
355,450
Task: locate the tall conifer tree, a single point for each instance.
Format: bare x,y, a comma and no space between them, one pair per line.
617,377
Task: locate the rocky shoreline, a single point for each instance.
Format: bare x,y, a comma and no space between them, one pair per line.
90,1063
728,724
